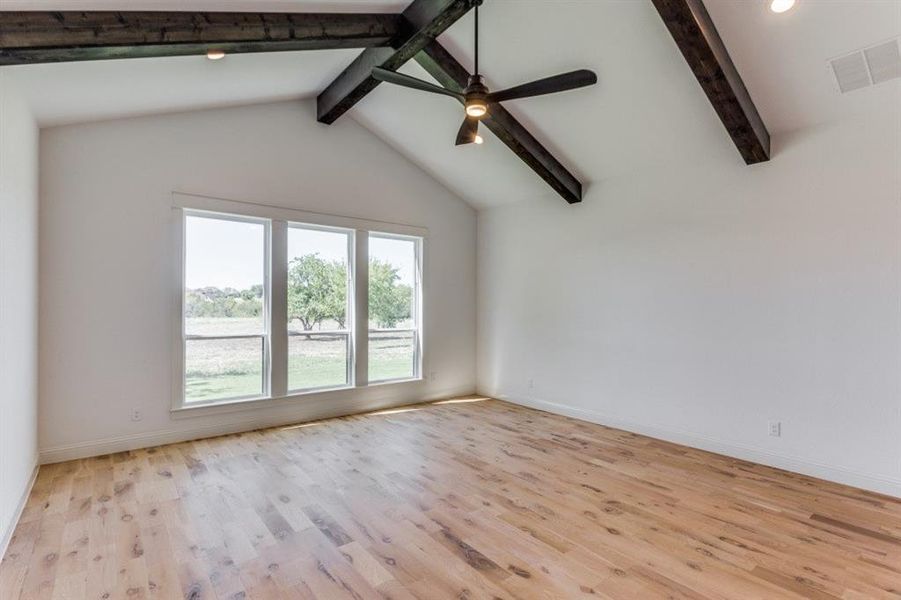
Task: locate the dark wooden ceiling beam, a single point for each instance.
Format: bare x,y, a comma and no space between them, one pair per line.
35,37
703,49
441,65
390,41
421,22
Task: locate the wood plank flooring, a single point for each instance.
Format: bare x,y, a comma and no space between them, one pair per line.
477,499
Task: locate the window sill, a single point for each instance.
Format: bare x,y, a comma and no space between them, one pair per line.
245,404
393,382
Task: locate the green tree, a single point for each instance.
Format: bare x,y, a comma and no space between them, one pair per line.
227,302
336,300
317,290
389,300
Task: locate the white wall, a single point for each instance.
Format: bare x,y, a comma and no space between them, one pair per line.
18,302
106,260
698,303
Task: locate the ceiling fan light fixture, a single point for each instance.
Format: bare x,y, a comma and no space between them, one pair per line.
215,54
476,108
477,99
781,6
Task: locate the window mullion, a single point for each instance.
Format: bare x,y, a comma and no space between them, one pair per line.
278,310
418,323
361,308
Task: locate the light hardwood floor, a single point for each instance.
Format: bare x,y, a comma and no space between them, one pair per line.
474,499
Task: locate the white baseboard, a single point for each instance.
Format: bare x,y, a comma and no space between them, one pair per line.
124,443
23,500
875,483
110,445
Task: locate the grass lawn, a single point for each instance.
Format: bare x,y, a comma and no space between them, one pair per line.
233,368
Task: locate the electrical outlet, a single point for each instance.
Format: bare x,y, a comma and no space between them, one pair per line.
136,415
531,384
775,428
433,375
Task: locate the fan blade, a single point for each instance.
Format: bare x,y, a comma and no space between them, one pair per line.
411,82
468,131
548,85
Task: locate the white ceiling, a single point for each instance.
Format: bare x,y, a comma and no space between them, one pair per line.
646,110
783,58
62,93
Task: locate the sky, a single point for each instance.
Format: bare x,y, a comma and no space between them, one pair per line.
225,253
222,253
400,253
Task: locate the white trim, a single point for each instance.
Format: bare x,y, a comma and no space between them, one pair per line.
317,409
360,324
315,332
417,312
179,383
278,305
200,202
277,222
350,299
247,336
876,483
215,407
177,370
17,514
379,382
267,308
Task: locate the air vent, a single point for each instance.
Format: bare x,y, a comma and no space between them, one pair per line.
851,72
866,67
884,61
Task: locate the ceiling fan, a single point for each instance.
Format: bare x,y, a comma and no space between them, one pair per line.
477,99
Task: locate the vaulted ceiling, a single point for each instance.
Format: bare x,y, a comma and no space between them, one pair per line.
647,110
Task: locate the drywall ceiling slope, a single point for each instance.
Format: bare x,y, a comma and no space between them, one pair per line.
64,93
647,111
91,91
783,57
647,108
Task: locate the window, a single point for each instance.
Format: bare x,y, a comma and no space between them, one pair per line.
225,339
393,307
319,315
274,306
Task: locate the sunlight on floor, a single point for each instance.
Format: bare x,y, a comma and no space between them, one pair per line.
461,401
394,411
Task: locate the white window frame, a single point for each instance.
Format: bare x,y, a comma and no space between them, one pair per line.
275,370
350,322
416,330
265,336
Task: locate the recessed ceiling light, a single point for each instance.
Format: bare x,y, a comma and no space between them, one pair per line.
479,139
215,54
781,6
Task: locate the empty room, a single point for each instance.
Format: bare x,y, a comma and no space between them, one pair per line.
450,299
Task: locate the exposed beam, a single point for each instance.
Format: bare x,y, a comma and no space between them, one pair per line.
703,49
421,22
441,65
34,37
